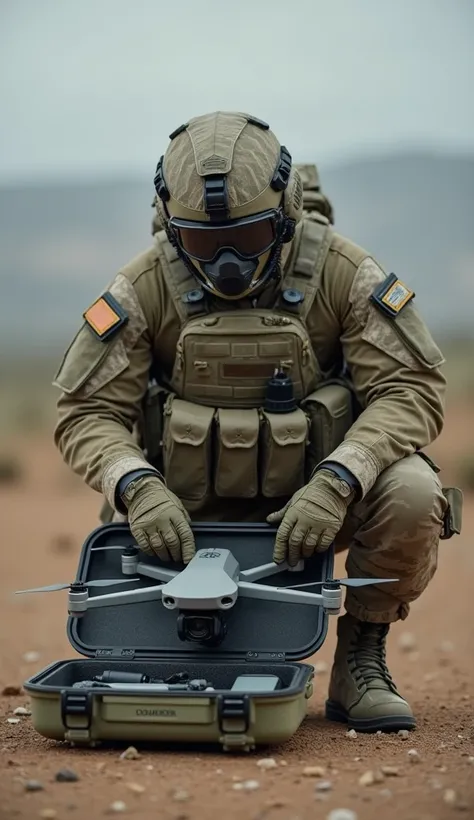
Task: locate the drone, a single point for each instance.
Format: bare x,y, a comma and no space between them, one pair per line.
204,591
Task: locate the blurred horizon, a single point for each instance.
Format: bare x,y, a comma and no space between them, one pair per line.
96,88
377,94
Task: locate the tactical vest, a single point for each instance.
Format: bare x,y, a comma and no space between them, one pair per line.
218,440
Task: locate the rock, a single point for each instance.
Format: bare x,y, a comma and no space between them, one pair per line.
314,771
180,795
66,776
283,763
341,814
367,779
385,793
118,806
450,797
62,543
323,786
136,788
13,720
352,734
413,756
267,763
33,786
407,642
404,734
246,786
21,710
100,766
31,657
11,691
447,646
470,760
48,814
390,771
130,754
320,668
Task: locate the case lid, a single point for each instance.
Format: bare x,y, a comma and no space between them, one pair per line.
146,629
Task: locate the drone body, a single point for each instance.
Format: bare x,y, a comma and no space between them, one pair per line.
205,590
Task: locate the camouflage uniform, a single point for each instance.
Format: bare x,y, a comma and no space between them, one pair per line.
393,521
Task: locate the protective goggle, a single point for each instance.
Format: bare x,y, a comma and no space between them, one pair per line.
248,237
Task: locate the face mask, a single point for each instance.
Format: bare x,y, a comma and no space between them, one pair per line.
229,274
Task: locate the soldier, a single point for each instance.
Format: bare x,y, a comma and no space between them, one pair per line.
254,365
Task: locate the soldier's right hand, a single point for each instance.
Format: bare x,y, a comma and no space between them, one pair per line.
158,520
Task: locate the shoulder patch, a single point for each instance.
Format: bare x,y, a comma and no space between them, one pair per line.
88,364
105,317
391,296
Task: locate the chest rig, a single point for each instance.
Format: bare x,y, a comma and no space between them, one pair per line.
218,437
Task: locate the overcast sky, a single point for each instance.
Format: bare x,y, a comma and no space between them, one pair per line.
96,86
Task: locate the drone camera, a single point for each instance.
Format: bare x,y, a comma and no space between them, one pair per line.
206,628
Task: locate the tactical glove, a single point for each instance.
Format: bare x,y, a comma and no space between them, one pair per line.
158,520
312,518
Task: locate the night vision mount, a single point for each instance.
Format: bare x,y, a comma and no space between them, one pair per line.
204,591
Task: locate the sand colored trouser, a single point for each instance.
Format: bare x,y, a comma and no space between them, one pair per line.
394,532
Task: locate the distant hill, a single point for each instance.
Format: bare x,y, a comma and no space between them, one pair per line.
61,243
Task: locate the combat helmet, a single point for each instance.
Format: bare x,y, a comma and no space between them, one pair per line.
228,198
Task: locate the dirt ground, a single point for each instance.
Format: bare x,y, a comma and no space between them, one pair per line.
45,519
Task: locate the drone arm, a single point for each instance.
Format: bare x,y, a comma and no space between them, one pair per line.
130,596
132,566
286,596
265,570
158,573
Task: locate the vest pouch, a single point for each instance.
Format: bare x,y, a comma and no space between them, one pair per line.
236,472
187,437
330,413
284,438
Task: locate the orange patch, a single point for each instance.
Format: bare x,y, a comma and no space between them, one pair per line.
101,317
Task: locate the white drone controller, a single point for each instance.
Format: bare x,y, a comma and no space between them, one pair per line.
204,590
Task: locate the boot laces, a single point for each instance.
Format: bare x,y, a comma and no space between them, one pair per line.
367,657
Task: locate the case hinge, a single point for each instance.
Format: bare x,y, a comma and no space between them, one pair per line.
76,705
127,654
265,657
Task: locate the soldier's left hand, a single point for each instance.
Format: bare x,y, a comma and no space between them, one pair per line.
312,518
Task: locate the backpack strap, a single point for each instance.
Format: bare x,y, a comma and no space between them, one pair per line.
301,279
189,299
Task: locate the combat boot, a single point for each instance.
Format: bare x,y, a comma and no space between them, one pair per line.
361,690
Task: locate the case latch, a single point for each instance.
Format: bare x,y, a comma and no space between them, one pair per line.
76,705
235,710
233,716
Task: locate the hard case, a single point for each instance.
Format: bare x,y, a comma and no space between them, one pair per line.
263,637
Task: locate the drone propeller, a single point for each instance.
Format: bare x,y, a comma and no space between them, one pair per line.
115,547
57,587
346,582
